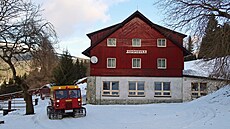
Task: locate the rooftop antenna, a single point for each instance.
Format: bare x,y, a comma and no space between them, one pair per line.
137,6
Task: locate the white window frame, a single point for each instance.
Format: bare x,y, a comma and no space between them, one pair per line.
160,42
136,91
135,42
162,91
199,92
159,63
111,42
108,62
110,91
133,59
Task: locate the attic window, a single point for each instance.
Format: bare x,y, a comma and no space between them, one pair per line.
161,42
111,42
136,42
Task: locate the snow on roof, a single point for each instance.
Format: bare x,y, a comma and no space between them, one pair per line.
80,80
198,68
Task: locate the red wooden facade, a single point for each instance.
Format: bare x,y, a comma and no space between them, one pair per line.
136,26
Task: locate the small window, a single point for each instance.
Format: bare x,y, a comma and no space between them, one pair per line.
111,62
198,89
111,42
136,88
161,63
136,63
61,94
161,42
162,89
136,42
111,88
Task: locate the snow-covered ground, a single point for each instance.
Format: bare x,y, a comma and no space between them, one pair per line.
209,112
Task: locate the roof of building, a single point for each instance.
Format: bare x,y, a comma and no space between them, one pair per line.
111,29
201,69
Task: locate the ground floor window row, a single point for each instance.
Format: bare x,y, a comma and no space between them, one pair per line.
136,89
161,89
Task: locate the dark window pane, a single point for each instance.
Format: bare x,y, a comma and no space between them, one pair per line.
166,93
106,93
196,94
61,94
132,93
114,93
203,94
203,86
115,86
194,86
166,86
74,93
106,85
140,93
157,93
140,85
132,85
157,85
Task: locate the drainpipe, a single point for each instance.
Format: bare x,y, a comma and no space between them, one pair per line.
182,89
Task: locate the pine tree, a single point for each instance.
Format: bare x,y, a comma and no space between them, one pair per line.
82,70
66,71
209,40
215,42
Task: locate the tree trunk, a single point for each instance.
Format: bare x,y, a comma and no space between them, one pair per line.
29,103
27,96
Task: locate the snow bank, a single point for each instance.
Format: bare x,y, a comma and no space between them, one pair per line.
208,112
220,97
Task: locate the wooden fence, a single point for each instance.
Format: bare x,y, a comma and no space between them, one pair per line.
14,104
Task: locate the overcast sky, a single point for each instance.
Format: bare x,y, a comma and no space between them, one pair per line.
73,19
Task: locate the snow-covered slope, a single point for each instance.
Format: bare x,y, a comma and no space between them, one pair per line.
209,112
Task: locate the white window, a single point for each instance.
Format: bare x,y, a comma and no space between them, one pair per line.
111,62
110,88
198,89
162,89
136,88
136,42
111,42
136,63
161,63
161,42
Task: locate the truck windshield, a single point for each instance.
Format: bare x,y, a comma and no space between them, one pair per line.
74,93
61,94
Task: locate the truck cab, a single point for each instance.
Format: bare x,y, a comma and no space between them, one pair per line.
65,99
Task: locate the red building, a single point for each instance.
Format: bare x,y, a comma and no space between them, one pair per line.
135,61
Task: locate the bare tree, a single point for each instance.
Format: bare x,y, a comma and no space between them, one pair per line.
21,31
194,16
44,61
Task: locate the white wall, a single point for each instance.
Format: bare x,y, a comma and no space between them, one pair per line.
176,88
212,85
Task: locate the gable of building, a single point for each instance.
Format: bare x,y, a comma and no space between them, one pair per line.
100,35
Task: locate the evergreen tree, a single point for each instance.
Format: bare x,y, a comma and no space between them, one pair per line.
82,70
66,71
215,42
77,64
